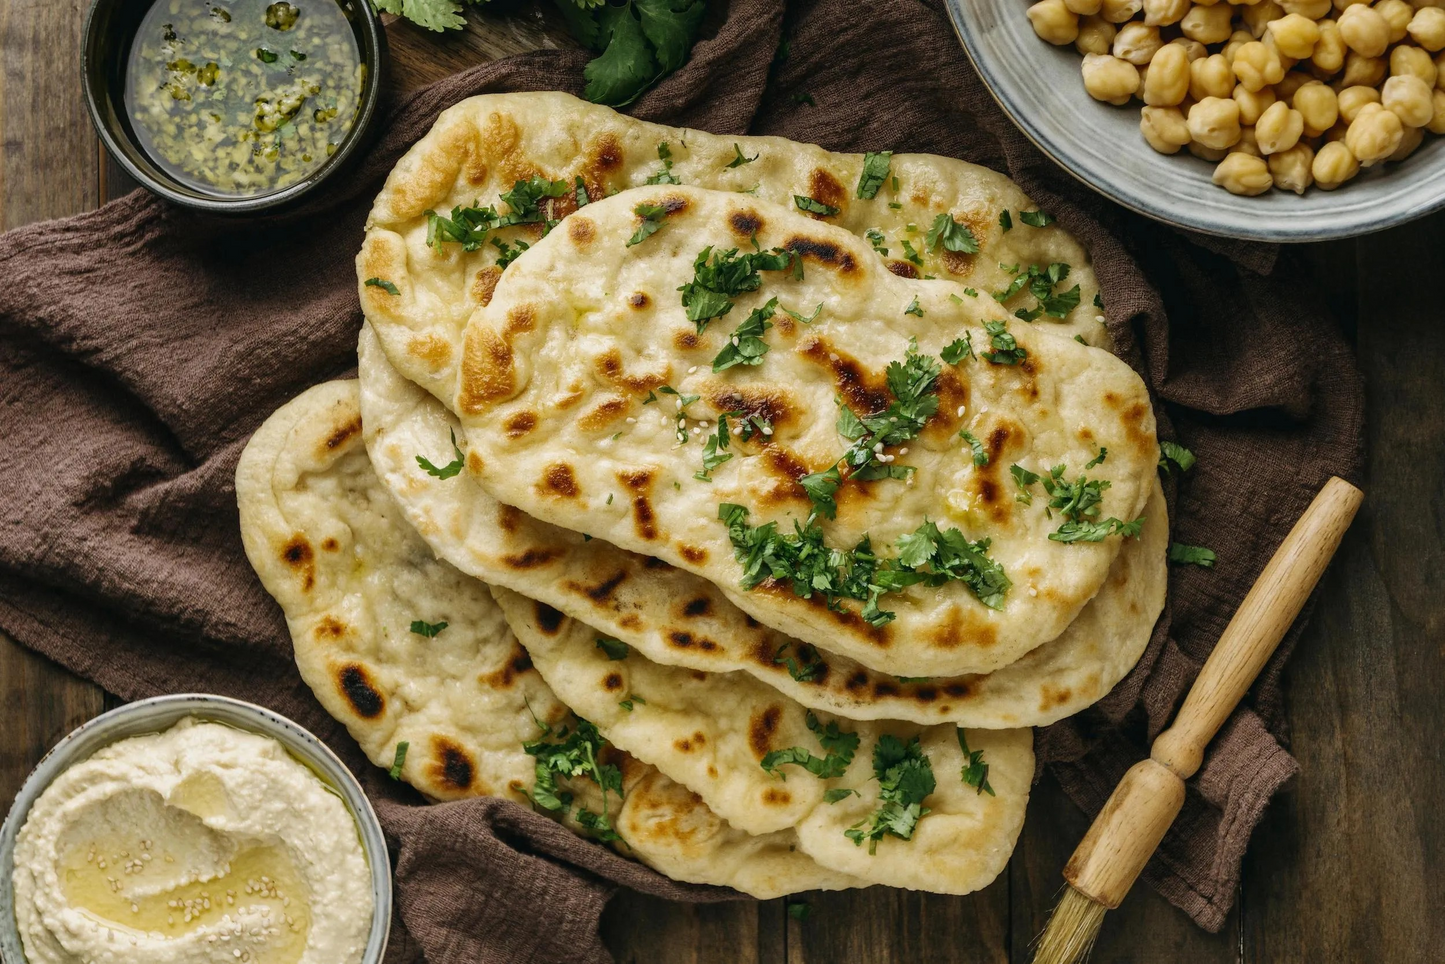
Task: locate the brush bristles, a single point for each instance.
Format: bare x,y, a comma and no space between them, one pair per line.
1069,936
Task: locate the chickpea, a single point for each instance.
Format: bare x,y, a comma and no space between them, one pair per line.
1318,106
1207,25
1405,59
1096,36
1397,14
1084,8
1257,17
1437,119
1364,30
1236,40
1110,79
1213,154
1164,128
1137,43
1160,13
1118,11
1193,49
1166,82
1374,134
1342,4
1352,99
1291,169
1054,22
1214,122
1440,71
1241,173
1252,103
1414,137
1310,9
1333,165
1408,97
1279,128
1295,35
1329,52
1210,77
1363,71
1427,28
1255,66
1293,81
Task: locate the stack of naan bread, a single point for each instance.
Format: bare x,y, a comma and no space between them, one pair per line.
515,562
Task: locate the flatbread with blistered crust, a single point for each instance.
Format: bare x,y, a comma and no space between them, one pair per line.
675,617
350,575
481,147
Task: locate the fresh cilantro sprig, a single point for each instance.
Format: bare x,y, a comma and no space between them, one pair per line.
665,175
1173,454
614,648
741,158
1192,555
718,279
451,468
1079,502
804,667
569,756
953,235
652,218
427,630
958,349
874,173
468,226
714,450
980,454
638,42
1006,350
399,760
838,749
746,346
975,771
905,778
383,284
1041,281
814,206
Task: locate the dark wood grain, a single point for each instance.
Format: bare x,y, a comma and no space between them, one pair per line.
881,925
646,930
1346,866
48,168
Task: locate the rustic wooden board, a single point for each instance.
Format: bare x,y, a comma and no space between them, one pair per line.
1343,867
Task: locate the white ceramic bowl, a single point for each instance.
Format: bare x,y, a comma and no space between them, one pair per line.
158,714
1040,87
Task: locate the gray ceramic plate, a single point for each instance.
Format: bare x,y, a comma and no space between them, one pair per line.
160,713
1039,86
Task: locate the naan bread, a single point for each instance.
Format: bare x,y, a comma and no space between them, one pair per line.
675,617
481,147
709,731
585,329
330,545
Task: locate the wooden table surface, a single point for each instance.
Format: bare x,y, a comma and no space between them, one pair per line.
1345,865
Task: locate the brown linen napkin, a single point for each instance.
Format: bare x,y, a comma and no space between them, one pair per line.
140,345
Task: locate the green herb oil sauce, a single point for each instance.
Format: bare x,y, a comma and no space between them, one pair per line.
243,97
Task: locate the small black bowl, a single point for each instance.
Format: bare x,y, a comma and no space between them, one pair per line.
110,28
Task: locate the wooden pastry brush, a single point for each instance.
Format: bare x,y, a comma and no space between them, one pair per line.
1141,808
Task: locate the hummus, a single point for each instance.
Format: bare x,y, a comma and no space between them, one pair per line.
200,844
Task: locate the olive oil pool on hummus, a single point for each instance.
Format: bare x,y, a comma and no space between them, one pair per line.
238,98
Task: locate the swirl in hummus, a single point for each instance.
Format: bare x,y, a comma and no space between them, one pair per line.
200,844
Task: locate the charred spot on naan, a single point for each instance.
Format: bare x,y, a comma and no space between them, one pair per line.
864,391
582,231
609,366
745,224
612,682
346,428
330,629
686,339
518,662
952,393
645,518
488,371
474,463
430,348
1137,419
761,729
455,150
961,628
777,406
696,555
776,797
451,766
845,615
639,300
383,256
825,188
519,424
697,607
823,252
484,285
521,318
354,683
299,557
549,621
903,269
533,557
600,593
684,640
604,413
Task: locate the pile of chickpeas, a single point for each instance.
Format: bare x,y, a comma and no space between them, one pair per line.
1279,93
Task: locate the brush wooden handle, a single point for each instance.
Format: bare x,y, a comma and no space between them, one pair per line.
1141,808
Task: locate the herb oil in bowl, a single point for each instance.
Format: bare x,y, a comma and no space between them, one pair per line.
240,98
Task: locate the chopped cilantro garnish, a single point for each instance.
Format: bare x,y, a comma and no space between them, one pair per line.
875,172
1023,478
712,451
1079,502
665,175
1097,531
715,282
614,648
1191,555
1005,221
1177,454
971,292
959,349
1099,300
1006,350
980,454
839,793
582,199
746,346
265,55
910,253
448,470
875,238
951,234
399,760
572,756
820,487
1098,459
652,216
975,771
808,319
1036,219
386,286
508,253
905,778
914,308
812,206
683,401
838,748
741,159
631,699
798,910
804,667
429,630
